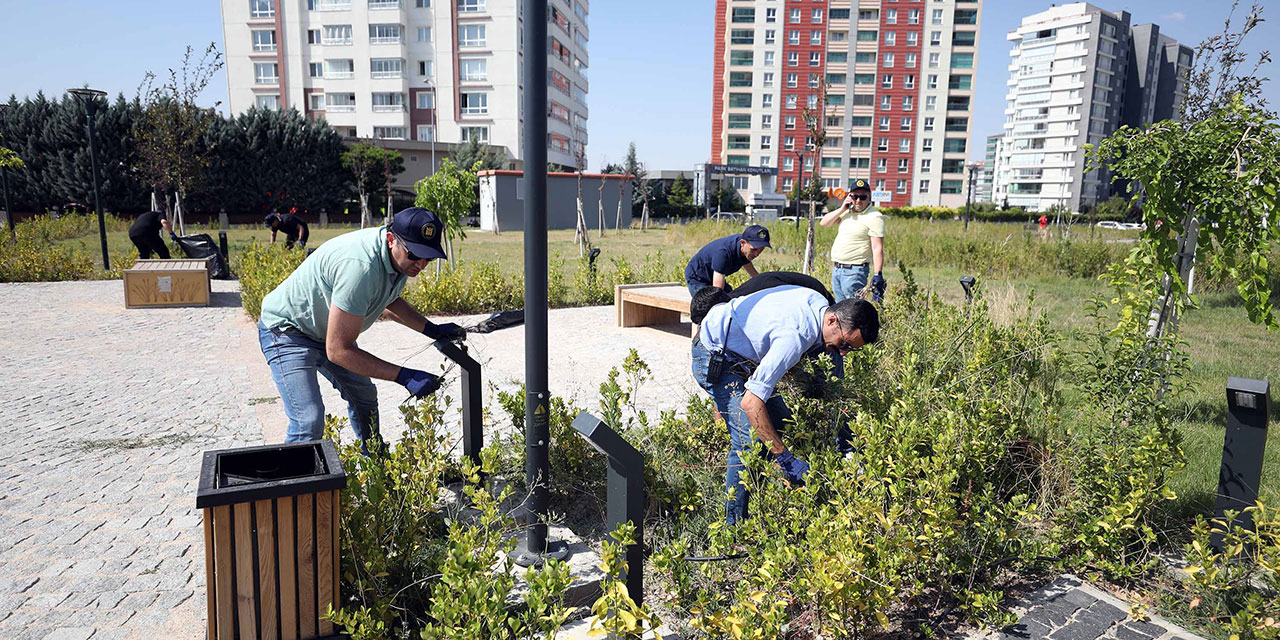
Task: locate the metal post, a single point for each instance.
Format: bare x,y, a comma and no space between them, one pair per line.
222,246
91,108
537,396
8,210
973,168
625,491
1248,409
472,407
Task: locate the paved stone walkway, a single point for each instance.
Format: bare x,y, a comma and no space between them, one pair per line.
1068,609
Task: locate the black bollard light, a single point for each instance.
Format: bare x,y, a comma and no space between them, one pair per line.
222,246
625,491
472,406
1248,409
967,282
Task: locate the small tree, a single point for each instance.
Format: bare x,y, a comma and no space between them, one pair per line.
474,153
373,170
634,168
622,186
450,193
815,123
600,205
580,233
680,196
171,129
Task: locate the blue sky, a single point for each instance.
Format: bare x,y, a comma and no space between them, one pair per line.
650,61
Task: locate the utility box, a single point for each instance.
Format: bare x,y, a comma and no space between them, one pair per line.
271,539
168,283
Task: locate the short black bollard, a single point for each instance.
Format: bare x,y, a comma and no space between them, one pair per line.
967,282
1248,409
222,244
625,492
472,405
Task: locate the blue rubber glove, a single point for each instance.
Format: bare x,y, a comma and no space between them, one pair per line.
420,383
792,467
446,331
877,287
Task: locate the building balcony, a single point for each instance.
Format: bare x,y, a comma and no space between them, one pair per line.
332,5
340,108
386,40
388,108
383,75
339,75
1031,42
384,4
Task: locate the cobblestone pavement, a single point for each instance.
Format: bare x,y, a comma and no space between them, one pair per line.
105,411
1068,609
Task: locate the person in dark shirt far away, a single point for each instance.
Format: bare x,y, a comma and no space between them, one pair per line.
145,235
723,257
295,230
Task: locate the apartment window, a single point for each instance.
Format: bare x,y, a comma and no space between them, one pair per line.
891,16
913,16
787,183
739,78
814,80
815,37
424,34
902,186
882,144
907,103
815,58
867,36
384,101
909,81
739,121
837,56
739,182
889,59
879,185
928,122
815,16
911,60
470,6
890,38
935,38
315,69
868,14
313,36
768,58
864,78
315,101
913,38
884,123
960,82
970,16
839,36
791,100
859,143
766,100
766,161
386,67
952,186
789,143
770,36
339,69
962,61
830,163
766,121
812,102
389,133
937,16
473,69
474,103
770,15
768,80
882,165
336,34
422,4
267,101
886,102
742,36
886,81
794,16
265,73
926,145
788,164
793,80
793,37
808,164
789,122
932,82
766,142
739,142
426,100
479,134
471,35
426,133
964,38
904,165
865,57
836,78
924,186
740,100
904,145
906,124
859,121
741,58
832,143
424,68
926,165
793,59
264,40
340,102
385,34
934,59
262,8
744,15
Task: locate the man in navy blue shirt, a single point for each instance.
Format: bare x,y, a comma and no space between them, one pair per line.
723,257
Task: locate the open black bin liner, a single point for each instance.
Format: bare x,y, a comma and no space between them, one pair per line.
201,245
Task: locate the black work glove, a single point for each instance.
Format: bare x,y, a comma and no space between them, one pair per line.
792,467
446,331
877,287
420,383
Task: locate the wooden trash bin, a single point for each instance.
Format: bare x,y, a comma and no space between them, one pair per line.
168,283
271,539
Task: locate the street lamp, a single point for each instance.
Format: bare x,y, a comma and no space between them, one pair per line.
973,171
90,99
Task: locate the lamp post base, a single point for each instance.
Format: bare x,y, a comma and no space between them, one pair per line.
556,550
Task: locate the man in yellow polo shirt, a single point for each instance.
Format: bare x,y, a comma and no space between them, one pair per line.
859,246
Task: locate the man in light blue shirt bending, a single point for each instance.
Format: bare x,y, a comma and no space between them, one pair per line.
742,350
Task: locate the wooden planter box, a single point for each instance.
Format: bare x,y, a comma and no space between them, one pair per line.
271,540
168,283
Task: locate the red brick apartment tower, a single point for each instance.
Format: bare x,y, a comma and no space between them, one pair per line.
897,99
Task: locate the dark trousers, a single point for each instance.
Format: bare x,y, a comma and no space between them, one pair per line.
148,244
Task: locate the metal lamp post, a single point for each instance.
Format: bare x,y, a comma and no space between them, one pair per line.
973,171
90,99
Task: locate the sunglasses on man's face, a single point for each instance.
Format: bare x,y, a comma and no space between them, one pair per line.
860,198
407,253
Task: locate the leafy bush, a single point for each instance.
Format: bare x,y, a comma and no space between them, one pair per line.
262,267
1235,585
29,259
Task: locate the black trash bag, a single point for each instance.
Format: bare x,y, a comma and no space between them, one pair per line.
201,245
499,320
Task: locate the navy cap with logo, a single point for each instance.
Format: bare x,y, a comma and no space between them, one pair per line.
860,184
420,231
757,236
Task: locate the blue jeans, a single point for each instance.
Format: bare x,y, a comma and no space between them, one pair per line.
694,287
295,359
846,282
727,394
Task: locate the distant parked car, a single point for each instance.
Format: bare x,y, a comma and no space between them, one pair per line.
1109,224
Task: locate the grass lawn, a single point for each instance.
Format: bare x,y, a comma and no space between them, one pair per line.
1221,340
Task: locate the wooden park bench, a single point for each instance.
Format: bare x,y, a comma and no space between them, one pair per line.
643,305
168,283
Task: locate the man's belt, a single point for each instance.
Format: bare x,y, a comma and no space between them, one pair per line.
849,265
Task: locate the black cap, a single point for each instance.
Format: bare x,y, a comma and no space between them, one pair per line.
420,231
860,184
271,217
757,236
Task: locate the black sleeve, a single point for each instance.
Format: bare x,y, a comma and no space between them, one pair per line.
771,279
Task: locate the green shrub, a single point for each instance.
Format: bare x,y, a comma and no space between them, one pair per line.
31,259
262,267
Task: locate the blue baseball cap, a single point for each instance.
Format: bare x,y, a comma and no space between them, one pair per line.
756,235
420,231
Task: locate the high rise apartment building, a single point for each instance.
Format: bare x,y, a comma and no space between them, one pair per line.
898,79
447,70
1077,74
982,191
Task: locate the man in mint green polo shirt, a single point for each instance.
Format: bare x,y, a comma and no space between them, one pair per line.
310,323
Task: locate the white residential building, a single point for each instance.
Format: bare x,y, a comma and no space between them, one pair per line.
447,70
1078,73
